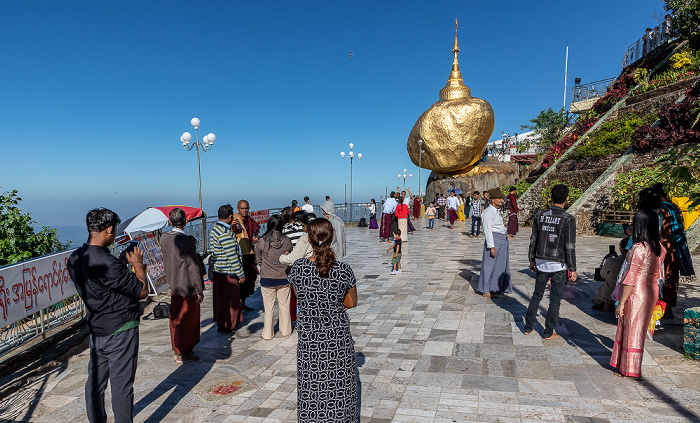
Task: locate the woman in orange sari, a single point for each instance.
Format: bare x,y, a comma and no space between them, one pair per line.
640,290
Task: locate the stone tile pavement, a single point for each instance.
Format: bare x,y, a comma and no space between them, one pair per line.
428,350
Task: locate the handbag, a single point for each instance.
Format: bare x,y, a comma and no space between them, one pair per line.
161,310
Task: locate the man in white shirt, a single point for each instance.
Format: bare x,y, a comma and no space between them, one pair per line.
308,208
495,266
389,207
452,206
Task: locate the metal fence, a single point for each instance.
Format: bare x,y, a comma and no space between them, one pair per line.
347,212
22,331
646,44
592,89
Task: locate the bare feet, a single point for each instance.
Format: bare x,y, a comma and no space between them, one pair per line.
486,294
554,335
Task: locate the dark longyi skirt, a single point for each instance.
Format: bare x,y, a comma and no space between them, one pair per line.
184,323
373,221
226,294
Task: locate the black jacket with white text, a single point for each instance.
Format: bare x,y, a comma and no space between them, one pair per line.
554,237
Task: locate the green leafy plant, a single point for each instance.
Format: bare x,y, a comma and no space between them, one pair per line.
683,168
18,239
521,186
612,137
574,193
680,183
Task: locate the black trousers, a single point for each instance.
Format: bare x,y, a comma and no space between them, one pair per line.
112,358
555,294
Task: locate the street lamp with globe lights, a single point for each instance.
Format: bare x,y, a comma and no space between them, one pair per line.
410,175
205,144
351,155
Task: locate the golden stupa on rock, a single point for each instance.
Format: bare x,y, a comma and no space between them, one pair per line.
455,130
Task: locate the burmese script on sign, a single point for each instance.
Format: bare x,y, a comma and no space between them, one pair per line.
27,287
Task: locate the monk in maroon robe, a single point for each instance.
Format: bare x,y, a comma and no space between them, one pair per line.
247,230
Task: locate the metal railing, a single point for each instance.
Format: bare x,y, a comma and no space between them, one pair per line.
22,331
592,89
647,43
347,212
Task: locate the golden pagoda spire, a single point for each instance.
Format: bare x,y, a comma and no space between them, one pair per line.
455,87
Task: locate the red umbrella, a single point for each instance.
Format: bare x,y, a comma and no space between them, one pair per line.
152,219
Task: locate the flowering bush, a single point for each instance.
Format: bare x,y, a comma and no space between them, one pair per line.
684,58
615,92
682,65
677,124
580,127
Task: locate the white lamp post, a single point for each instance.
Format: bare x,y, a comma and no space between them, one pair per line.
351,156
206,144
410,175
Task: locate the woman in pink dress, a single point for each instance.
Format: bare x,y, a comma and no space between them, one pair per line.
640,290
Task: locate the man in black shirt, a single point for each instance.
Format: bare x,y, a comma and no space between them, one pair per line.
111,294
552,256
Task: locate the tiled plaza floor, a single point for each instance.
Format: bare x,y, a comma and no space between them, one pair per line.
428,350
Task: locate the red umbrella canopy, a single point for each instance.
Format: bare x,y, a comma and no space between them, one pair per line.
190,212
152,219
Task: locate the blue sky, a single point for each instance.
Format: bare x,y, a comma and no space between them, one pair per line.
95,95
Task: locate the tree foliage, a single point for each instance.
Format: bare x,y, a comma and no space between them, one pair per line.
549,125
685,17
18,239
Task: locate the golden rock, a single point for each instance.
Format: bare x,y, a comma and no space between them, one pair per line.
455,130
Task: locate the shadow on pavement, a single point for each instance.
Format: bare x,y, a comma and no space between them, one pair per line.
183,380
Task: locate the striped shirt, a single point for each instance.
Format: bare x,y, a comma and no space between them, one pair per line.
293,231
226,253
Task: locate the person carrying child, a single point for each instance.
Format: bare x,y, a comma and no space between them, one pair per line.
430,212
396,257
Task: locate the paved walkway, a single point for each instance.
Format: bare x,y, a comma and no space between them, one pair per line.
428,350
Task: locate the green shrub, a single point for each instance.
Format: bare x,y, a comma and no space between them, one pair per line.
628,185
521,186
574,194
612,137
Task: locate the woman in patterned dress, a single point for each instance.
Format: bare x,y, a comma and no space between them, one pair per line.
326,381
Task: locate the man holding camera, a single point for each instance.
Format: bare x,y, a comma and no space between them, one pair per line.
111,294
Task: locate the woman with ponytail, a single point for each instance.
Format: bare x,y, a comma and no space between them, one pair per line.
325,351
